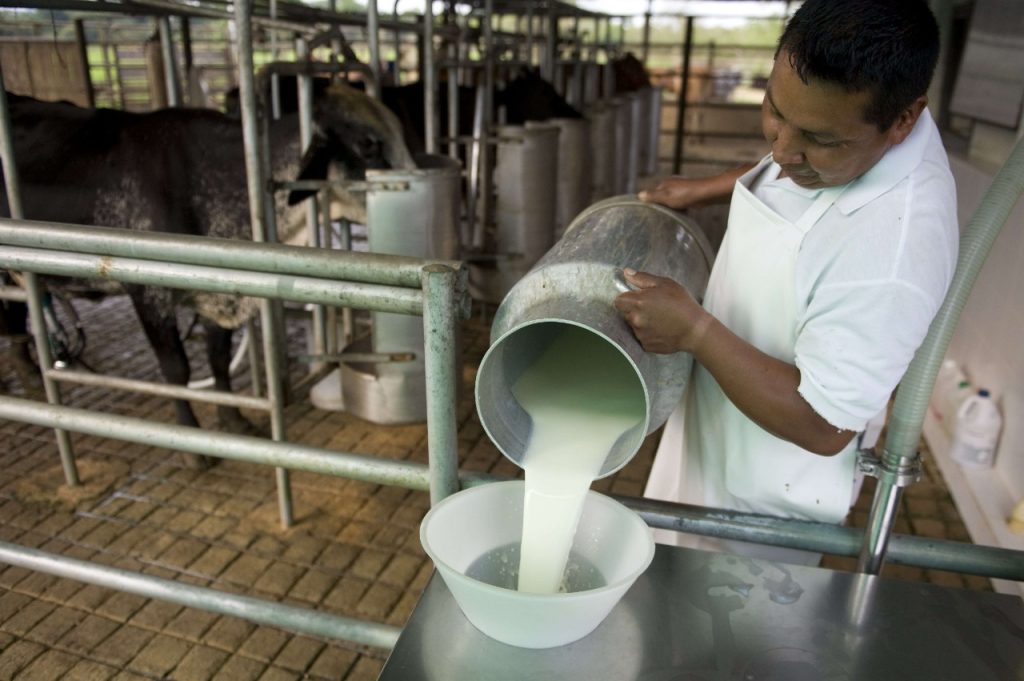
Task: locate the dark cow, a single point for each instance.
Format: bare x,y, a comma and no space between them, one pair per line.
182,171
526,97
630,74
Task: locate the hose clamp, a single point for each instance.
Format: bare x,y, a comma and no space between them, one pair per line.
903,474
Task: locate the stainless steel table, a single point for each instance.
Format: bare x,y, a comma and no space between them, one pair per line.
697,616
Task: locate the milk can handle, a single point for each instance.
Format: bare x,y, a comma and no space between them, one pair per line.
619,279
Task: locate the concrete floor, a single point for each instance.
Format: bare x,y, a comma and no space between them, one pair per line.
354,550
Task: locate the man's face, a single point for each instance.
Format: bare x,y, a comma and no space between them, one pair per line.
817,129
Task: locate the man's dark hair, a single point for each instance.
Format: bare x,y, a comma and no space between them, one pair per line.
888,47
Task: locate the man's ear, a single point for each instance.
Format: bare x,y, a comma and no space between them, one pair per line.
906,120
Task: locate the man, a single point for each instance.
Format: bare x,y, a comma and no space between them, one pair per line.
839,250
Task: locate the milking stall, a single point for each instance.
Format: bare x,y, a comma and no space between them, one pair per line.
408,341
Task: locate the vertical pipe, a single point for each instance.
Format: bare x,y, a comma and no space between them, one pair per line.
398,49
83,56
529,33
551,43
188,60
170,63
117,72
348,331
645,50
254,359
486,178
373,37
35,306
305,93
108,72
429,77
677,153
275,81
256,184
884,506
474,223
440,318
453,100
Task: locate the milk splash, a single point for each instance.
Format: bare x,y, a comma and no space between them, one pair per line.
581,394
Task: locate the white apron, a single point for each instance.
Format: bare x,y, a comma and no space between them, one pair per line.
727,460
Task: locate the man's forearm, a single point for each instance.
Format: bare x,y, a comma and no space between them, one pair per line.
765,390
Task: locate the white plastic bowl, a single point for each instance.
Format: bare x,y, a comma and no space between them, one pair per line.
471,523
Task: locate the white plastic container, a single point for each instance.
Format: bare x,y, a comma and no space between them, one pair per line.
951,389
955,399
978,424
472,523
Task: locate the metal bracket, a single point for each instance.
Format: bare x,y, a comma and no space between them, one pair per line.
902,475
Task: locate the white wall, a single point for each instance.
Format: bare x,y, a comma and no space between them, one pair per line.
989,339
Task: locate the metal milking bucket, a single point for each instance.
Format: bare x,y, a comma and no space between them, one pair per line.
572,190
575,283
409,212
525,178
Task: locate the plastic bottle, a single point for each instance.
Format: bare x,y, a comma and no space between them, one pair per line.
978,424
952,401
949,373
946,381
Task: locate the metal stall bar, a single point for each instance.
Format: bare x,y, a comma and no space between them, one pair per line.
827,538
305,94
34,295
368,268
83,55
900,461
159,389
222,445
441,369
485,177
677,153
428,75
255,610
263,228
215,280
373,37
171,83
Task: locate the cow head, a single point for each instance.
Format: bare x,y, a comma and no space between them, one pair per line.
630,74
352,134
529,97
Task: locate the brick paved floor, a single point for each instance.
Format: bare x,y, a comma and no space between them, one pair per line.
354,549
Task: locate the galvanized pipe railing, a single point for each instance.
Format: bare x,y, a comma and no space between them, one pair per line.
296,288
256,610
233,277
369,268
806,535
34,298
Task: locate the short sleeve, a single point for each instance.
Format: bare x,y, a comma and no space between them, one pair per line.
856,342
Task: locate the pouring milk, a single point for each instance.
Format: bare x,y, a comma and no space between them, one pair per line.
582,395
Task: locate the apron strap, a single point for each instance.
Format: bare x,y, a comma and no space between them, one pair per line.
825,199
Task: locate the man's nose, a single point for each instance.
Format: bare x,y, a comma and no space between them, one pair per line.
786,147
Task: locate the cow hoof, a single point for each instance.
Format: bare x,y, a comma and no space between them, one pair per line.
239,425
198,461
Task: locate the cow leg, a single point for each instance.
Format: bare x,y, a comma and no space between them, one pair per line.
155,309
218,348
14,326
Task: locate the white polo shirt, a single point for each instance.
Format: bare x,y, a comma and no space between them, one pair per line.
870,275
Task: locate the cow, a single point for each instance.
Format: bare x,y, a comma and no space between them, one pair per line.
525,97
630,74
182,171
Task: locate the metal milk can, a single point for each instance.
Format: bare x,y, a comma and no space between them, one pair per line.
576,283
